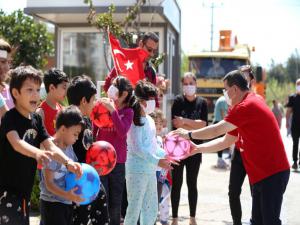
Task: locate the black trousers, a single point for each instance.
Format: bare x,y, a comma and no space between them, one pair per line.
236,180
97,211
114,184
295,136
14,210
192,165
124,203
56,213
267,198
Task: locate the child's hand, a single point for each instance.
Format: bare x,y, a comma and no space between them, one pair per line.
75,168
43,157
74,197
166,163
108,103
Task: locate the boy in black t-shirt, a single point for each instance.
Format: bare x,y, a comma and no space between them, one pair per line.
21,134
81,93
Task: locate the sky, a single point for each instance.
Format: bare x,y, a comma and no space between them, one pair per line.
271,26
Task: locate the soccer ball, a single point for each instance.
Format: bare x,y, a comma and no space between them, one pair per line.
88,185
176,147
102,156
101,116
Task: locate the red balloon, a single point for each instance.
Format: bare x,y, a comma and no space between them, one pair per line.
101,116
176,147
102,156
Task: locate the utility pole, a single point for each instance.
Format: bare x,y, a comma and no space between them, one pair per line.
212,6
297,61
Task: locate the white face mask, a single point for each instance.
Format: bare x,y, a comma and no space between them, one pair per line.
112,92
150,106
228,100
189,90
298,88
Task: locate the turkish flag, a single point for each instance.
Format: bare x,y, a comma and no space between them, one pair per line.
128,61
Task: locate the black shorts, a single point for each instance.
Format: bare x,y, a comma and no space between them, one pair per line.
56,213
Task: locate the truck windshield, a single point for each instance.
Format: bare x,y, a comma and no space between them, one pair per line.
210,67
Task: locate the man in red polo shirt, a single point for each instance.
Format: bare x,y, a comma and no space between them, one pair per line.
253,126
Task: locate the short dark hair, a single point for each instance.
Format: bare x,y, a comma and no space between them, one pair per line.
54,76
68,117
5,45
80,86
238,78
150,35
22,73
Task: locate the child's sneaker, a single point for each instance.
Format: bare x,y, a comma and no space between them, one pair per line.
221,164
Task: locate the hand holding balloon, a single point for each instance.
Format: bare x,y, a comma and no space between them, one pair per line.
108,104
101,116
176,147
71,195
86,187
181,132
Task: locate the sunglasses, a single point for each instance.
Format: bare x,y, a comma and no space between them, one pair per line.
150,50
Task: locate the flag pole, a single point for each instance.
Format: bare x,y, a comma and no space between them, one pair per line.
111,51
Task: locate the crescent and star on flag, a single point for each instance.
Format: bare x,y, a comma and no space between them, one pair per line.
128,64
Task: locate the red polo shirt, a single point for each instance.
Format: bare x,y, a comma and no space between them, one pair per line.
260,142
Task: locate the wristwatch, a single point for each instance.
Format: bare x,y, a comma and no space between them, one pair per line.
67,162
190,135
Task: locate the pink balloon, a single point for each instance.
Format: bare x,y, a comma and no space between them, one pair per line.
176,147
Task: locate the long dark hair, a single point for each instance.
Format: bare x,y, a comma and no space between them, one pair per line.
144,90
123,84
